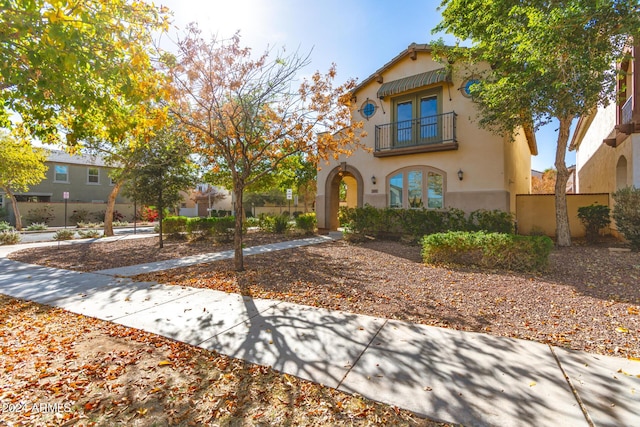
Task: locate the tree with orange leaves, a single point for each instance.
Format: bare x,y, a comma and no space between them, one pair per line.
545,184
245,116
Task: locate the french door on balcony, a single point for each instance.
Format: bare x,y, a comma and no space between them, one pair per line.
417,120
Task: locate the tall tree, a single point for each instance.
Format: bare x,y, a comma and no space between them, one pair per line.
163,170
247,117
76,68
546,184
548,60
79,72
21,166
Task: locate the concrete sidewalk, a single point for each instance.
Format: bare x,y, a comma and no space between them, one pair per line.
447,375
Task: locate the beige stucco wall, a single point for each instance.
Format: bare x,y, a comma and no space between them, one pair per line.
596,162
125,209
494,168
535,213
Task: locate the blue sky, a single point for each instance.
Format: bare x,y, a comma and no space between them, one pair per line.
358,35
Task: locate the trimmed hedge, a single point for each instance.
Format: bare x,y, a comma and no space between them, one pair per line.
174,224
416,223
221,228
489,250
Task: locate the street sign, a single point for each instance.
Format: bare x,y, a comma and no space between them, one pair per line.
65,195
289,194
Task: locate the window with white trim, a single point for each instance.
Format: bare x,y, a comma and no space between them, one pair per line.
416,187
93,175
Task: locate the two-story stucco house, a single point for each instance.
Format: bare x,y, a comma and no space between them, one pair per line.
84,178
607,142
426,149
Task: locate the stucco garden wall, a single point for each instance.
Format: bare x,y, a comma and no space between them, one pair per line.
535,213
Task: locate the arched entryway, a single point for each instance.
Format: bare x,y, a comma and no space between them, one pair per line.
621,173
345,180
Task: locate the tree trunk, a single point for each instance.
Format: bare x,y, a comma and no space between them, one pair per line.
238,260
108,215
16,210
563,233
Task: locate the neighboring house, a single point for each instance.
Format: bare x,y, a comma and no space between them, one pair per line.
85,178
206,198
607,141
427,151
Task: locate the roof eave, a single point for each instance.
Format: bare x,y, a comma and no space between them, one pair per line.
412,49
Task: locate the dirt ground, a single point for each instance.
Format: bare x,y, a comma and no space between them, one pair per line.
59,368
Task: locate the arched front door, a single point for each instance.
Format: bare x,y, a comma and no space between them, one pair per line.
344,186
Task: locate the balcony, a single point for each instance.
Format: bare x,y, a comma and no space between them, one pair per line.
426,134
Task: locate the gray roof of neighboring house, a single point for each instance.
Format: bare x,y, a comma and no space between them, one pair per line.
58,156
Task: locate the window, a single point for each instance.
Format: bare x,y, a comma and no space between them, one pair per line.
61,173
408,187
417,118
395,190
93,175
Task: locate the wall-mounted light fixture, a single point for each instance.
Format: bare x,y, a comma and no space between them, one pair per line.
460,174
374,180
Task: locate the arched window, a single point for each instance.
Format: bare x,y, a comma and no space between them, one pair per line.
621,173
416,187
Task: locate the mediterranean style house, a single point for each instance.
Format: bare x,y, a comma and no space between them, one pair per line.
425,150
607,141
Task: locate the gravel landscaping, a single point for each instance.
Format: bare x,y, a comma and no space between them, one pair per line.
588,299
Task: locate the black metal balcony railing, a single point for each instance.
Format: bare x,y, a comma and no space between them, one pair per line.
431,130
627,111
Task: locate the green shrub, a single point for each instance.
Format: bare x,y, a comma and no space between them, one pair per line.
306,223
79,215
416,223
88,234
89,224
9,237
278,224
281,224
5,226
627,214
42,214
221,228
367,221
252,222
64,235
198,227
594,218
495,221
4,214
174,224
37,227
489,250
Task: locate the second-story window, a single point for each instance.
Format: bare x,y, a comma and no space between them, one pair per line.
61,173
93,175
